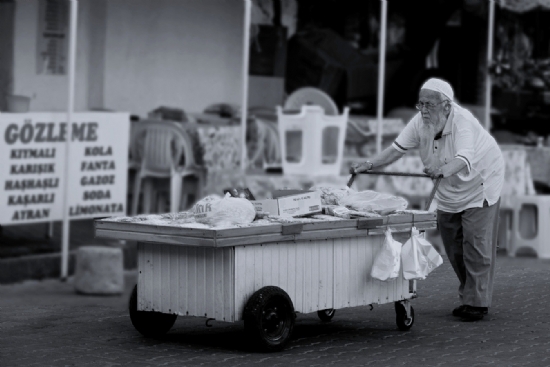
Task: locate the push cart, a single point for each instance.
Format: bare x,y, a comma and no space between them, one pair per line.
261,274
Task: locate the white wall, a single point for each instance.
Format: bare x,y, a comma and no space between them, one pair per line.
179,53
135,55
47,92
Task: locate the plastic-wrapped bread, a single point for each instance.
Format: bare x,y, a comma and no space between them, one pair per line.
330,195
372,201
224,212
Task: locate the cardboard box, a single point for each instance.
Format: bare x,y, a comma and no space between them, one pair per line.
296,204
266,206
287,192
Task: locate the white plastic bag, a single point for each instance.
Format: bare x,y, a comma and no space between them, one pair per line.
331,194
223,212
419,257
388,260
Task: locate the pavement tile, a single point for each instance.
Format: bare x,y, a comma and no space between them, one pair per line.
45,323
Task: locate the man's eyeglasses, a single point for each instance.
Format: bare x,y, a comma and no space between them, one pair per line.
420,105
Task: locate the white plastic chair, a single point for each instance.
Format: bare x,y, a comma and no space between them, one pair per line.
524,215
311,96
268,154
265,149
164,145
312,143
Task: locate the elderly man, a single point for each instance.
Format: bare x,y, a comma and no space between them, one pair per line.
453,145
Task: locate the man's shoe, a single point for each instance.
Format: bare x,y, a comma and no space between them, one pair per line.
458,311
473,313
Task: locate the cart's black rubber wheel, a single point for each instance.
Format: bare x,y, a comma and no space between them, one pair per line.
326,315
149,323
404,323
269,319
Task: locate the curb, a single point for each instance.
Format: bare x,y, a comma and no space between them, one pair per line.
35,267
38,267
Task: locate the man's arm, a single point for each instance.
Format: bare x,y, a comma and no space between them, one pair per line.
446,170
387,156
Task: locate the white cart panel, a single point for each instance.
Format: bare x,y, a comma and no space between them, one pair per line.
212,273
217,282
188,281
303,269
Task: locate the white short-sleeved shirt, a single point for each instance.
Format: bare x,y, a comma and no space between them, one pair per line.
463,137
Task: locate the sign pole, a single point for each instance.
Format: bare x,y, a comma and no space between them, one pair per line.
70,108
381,74
244,104
488,82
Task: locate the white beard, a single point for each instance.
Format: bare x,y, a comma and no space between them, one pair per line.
427,132
429,129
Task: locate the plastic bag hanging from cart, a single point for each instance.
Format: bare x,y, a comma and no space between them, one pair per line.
387,262
419,257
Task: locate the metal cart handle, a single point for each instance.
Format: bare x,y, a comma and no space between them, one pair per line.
432,194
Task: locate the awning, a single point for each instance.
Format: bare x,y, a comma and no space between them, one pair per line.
522,6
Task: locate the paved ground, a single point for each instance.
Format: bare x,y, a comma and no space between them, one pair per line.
34,239
26,252
45,323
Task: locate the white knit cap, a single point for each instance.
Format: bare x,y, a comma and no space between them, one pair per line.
440,86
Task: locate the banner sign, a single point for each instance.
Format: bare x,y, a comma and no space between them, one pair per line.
52,41
32,174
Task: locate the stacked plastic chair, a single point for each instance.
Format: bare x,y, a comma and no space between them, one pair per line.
525,216
311,133
312,143
164,150
309,96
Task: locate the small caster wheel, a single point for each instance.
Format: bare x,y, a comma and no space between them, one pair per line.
403,321
326,315
149,323
269,319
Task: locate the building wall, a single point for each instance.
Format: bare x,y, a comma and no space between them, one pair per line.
47,92
97,19
135,55
185,54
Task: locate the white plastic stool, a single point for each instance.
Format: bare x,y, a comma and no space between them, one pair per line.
530,225
312,143
99,270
